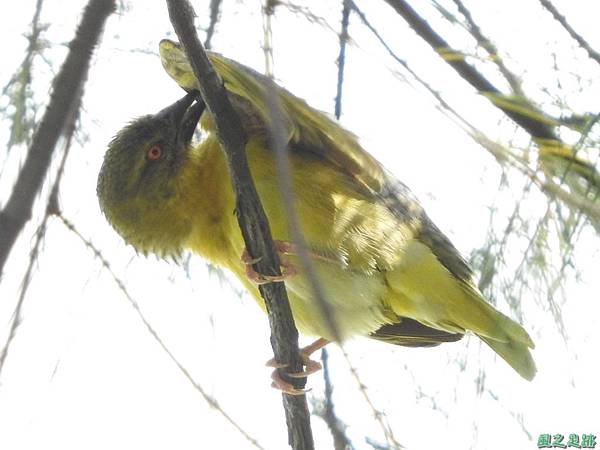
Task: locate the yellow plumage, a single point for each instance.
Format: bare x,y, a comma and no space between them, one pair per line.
387,271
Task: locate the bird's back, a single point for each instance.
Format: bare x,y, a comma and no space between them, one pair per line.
379,257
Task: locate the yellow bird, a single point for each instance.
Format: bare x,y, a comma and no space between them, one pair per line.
387,271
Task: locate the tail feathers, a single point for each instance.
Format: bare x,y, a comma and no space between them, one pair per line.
505,336
515,353
509,340
514,331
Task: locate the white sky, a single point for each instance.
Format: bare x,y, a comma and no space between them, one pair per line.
83,372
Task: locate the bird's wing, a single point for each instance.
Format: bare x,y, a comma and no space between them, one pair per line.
410,333
400,200
376,225
313,131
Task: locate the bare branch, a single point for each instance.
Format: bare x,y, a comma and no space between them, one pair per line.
489,47
251,218
526,115
67,91
443,106
590,208
213,403
341,61
327,413
215,6
278,141
52,208
267,12
302,11
391,441
580,40
539,125
16,317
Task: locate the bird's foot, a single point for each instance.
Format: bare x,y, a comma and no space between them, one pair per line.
287,268
311,366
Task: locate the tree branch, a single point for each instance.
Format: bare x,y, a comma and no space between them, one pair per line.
52,208
211,401
489,47
337,428
67,90
341,61
580,40
251,218
215,6
521,111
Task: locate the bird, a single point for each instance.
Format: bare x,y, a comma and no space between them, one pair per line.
386,270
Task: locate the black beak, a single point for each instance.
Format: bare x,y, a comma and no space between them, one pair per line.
190,121
183,117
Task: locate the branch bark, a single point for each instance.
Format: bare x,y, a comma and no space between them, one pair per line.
62,109
251,218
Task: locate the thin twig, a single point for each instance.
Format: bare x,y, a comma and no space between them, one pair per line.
304,11
551,189
378,415
525,114
444,106
278,141
52,208
251,218
554,308
341,61
580,40
517,416
494,251
327,412
215,6
490,48
16,317
212,402
267,12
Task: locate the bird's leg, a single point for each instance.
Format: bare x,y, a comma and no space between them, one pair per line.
284,248
311,366
288,269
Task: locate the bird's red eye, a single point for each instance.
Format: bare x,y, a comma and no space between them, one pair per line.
154,152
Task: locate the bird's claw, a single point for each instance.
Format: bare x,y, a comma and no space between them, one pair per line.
288,269
311,366
284,386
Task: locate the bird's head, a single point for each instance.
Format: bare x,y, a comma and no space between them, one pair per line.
139,185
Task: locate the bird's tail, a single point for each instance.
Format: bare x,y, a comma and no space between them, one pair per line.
424,290
513,346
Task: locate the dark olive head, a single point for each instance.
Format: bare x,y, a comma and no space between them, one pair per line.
137,185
